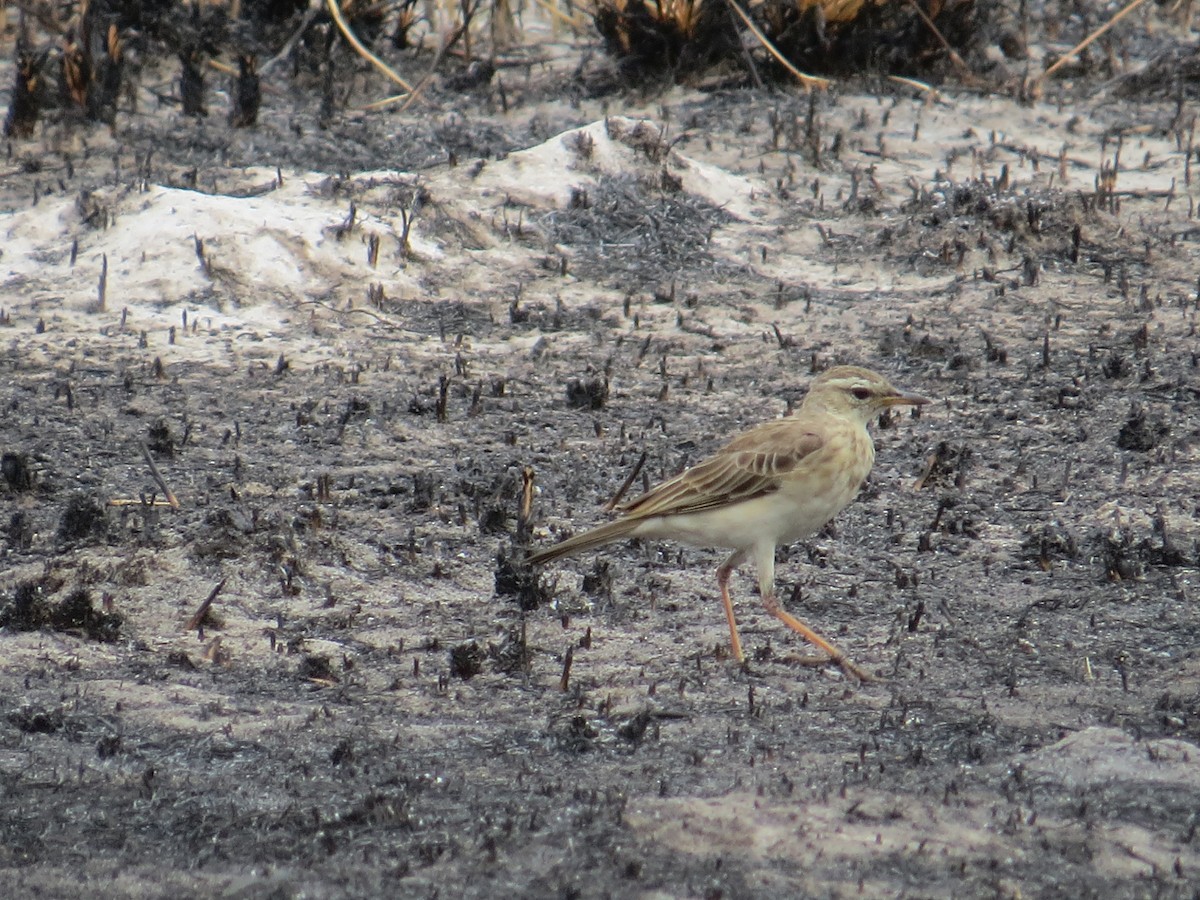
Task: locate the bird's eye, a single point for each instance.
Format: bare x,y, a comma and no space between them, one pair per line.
860,393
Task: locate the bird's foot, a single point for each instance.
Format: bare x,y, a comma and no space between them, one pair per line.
842,662
747,670
863,676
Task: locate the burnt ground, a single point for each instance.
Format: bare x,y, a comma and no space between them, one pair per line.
374,702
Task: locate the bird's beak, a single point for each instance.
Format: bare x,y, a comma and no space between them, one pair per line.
905,398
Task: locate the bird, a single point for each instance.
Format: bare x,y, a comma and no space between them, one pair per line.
773,484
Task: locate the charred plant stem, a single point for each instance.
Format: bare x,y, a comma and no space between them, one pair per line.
195,621
157,475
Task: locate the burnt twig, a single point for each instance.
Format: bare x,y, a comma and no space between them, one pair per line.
195,621
158,479
616,498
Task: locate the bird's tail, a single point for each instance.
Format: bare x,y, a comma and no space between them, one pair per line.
604,534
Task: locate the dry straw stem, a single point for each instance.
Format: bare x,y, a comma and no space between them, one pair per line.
344,28
459,32
577,23
809,81
932,92
415,93
834,10
1074,51
957,60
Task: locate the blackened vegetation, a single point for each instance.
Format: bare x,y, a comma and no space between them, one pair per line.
1009,237
678,38
510,657
590,393
191,84
84,518
1116,365
113,39
598,580
1142,431
477,74
1173,74
672,38
17,471
247,93
946,466
224,534
636,234
160,439
1126,553
925,347
513,578
68,69
77,613
191,51
577,734
1044,224
466,660
574,735
32,719
31,608
1050,542
27,609
406,16
317,667
1180,709
20,530
194,39
26,101
424,488
887,37
494,498
93,62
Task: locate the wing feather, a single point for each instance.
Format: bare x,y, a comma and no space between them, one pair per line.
750,466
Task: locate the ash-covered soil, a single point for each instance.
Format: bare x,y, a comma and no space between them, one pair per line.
381,701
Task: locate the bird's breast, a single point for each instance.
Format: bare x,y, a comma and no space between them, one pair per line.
827,487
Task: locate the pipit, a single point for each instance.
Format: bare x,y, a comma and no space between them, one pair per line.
774,484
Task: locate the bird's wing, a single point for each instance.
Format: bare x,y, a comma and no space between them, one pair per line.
750,466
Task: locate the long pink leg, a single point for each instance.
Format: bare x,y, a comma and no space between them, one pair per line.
723,574
835,655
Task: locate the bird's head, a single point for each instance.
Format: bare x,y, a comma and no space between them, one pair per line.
857,393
